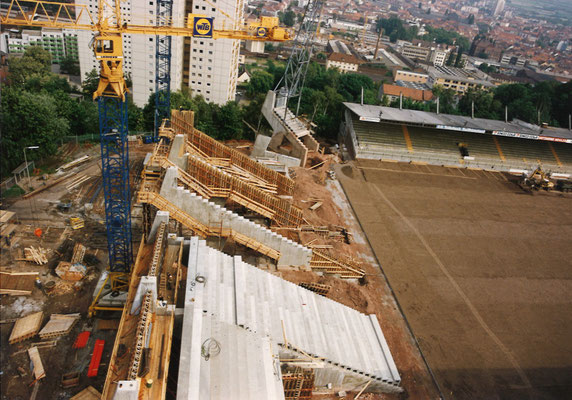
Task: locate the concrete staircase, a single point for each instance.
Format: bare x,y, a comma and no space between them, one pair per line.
344,347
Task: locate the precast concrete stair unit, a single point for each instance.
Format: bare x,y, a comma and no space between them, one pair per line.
345,348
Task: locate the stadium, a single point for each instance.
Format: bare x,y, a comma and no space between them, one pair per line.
480,268
385,133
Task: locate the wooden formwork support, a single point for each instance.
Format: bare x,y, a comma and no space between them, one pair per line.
145,315
319,288
322,262
182,123
158,250
279,210
298,385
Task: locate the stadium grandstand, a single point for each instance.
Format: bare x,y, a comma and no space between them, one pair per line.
377,132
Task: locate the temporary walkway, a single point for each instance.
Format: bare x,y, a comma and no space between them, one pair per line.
343,347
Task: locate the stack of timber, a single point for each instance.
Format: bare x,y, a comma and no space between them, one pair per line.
78,181
26,327
74,163
182,123
78,253
36,255
48,185
17,283
59,325
89,393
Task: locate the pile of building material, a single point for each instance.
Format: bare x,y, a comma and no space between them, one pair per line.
59,325
7,228
26,327
35,255
78,181
74,163
17,283
73,270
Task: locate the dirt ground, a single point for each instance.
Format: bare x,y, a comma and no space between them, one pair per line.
372,296
481,269
41,211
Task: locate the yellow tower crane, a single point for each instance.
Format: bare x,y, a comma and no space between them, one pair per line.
108,23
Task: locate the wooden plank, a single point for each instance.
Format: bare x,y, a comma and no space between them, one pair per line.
89,393
26,327
47,186
37,366
17,285
6,216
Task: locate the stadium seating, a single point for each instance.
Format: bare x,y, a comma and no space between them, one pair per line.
383,140
379,135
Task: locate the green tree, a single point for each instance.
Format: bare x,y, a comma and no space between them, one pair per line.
288,18
229,122
90,83
260,82
34,61
471,19
69,65
29,119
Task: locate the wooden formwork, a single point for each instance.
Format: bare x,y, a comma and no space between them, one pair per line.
158,250
281,211
298,385
319,288
323,262
182,123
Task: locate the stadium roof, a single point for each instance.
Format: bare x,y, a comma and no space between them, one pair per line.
515,128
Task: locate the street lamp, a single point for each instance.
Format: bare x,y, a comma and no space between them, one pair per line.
26,160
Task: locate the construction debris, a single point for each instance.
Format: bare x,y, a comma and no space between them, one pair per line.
71,272
39,345
74,163
59,325
37,366
26,327
316,205
17,283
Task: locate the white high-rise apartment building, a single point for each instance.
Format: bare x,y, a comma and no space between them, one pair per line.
138,50
213,64
499,7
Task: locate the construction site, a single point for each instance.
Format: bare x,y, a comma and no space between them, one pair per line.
423,256
241,274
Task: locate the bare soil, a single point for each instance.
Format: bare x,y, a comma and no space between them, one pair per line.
371,296
481,269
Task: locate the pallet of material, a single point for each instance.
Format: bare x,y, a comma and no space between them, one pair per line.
26,327
37,366
88,393
59,325
17,284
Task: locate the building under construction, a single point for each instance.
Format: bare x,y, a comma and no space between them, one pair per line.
245,332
